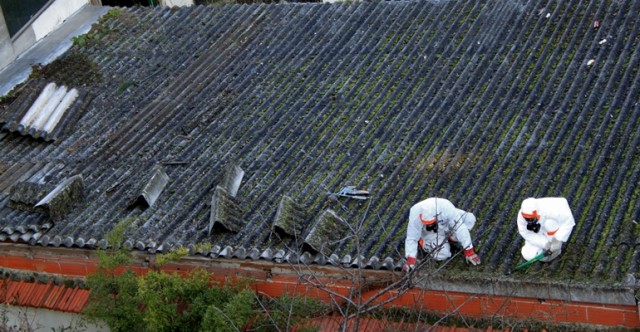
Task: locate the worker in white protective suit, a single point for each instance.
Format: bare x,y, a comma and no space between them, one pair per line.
544,224
435,224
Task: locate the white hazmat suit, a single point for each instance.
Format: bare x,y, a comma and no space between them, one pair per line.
451,222
555,224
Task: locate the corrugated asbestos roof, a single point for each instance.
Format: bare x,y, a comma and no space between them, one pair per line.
260,112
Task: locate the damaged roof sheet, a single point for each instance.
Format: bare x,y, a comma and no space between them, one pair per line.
482,102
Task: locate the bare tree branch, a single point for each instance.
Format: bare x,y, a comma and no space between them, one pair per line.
456,310
267,312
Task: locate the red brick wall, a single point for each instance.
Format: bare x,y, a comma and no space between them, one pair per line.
275,280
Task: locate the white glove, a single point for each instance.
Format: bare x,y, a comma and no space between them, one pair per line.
555,245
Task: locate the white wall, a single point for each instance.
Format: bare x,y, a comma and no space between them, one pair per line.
43,320
176,3
54,15
6,48
48,20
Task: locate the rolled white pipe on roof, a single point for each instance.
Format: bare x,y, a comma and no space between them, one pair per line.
49,107
37,106
55,117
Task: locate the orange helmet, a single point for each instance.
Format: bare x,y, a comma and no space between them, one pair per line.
428,221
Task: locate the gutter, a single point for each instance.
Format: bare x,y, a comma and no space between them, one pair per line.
497,298
535,289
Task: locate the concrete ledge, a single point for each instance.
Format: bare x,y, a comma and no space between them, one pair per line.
54,15
47,48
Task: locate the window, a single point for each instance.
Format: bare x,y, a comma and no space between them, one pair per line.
17,13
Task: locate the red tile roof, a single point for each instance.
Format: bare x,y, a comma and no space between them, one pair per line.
39,295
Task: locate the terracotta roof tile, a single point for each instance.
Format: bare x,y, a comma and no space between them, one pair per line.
79,300
53,297
38,297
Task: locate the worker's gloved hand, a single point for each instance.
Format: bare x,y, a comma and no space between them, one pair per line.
409,264
471,257
555,245
547,246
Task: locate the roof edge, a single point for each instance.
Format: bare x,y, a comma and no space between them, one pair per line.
471,298
541,290
479,285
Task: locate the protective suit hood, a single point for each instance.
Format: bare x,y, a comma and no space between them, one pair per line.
429,210
529,208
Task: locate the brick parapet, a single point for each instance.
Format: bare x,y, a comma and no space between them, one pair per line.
276,279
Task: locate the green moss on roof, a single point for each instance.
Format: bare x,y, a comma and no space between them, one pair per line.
73,70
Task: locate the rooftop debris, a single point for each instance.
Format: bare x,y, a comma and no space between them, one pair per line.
232,179
63,198
153,188
225,212
327,233
351,192
44,110
290,218
25,195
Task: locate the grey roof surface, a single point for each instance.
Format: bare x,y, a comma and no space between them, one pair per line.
229,126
